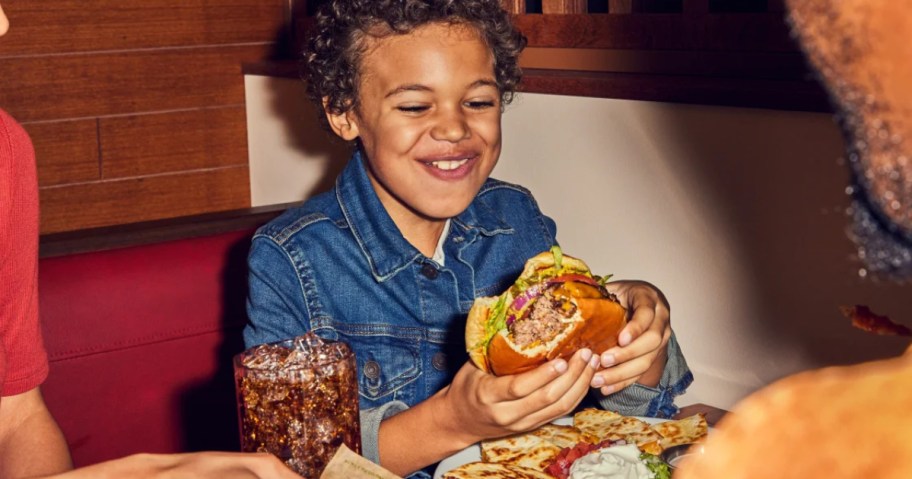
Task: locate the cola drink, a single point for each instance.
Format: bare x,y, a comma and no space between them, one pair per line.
298,399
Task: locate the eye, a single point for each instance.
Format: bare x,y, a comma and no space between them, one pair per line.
413,108
480,104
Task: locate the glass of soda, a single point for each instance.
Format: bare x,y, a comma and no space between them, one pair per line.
298,399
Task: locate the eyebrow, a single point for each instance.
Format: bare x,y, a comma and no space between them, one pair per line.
420,87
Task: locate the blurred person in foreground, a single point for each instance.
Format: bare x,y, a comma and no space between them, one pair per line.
31,443
854,421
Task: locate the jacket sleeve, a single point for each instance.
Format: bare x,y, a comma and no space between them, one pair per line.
276,306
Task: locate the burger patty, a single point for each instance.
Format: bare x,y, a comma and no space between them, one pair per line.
543,321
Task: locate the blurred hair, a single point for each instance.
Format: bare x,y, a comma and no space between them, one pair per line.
874,110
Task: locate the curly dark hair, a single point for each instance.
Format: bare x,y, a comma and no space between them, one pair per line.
332,54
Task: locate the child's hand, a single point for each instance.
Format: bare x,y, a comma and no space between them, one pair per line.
641,351
484,406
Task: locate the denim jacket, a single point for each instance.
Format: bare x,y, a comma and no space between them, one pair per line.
338,265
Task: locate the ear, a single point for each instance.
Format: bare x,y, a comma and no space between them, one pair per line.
343,124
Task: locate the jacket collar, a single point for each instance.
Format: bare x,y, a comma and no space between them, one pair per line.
482,218
382,244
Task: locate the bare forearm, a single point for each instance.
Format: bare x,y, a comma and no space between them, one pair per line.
420,436
31,444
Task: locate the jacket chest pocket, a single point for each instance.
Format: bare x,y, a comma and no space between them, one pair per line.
389,364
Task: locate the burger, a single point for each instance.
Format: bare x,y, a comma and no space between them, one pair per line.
555,307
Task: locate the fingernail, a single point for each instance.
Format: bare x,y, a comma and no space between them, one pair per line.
585,354
624,339
594,362
607,360
598,382
606,390
560,366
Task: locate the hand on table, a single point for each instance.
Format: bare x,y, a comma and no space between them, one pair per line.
640,353
486,406
221,465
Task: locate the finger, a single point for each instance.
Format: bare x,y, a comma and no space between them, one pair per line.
617,373
519,386
626,372
555,389
577,391
646,312
582,364
571,399
644,344
562,398
643,317
613,388
266,465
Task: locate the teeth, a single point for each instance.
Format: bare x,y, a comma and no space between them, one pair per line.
449,165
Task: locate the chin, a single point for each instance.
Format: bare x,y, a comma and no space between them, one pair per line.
446,210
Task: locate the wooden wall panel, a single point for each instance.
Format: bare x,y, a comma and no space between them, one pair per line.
730,32
563,6
117,83
136,107
58,26
514,6
756,65
89,205
620,6
173,141
739,92
66,151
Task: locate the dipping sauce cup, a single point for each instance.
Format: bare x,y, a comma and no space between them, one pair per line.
677,455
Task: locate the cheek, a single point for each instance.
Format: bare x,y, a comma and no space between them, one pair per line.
488,128
399,138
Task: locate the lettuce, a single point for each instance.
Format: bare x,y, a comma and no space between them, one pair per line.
497,321
656,465
558,257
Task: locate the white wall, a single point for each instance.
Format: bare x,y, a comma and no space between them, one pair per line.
291,157
736,214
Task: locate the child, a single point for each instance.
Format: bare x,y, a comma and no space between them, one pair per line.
392,257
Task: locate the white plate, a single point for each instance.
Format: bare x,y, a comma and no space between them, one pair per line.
473,452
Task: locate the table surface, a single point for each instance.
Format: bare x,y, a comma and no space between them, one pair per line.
712,413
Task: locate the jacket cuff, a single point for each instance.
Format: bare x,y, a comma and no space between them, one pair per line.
370,427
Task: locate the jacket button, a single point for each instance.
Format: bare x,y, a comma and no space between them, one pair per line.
371,370
429,271
439,361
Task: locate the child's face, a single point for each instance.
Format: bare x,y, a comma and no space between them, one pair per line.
428,119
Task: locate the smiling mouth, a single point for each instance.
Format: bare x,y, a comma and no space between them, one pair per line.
448,165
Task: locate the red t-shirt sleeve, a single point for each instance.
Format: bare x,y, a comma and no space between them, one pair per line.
23,360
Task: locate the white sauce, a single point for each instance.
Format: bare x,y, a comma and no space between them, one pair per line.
617,462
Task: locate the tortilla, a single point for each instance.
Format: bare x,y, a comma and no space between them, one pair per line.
611,426
683,431
563,436
524,450
474,470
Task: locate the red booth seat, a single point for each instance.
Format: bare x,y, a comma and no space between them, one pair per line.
140,341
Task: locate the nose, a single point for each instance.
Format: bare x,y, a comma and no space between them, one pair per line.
450,125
